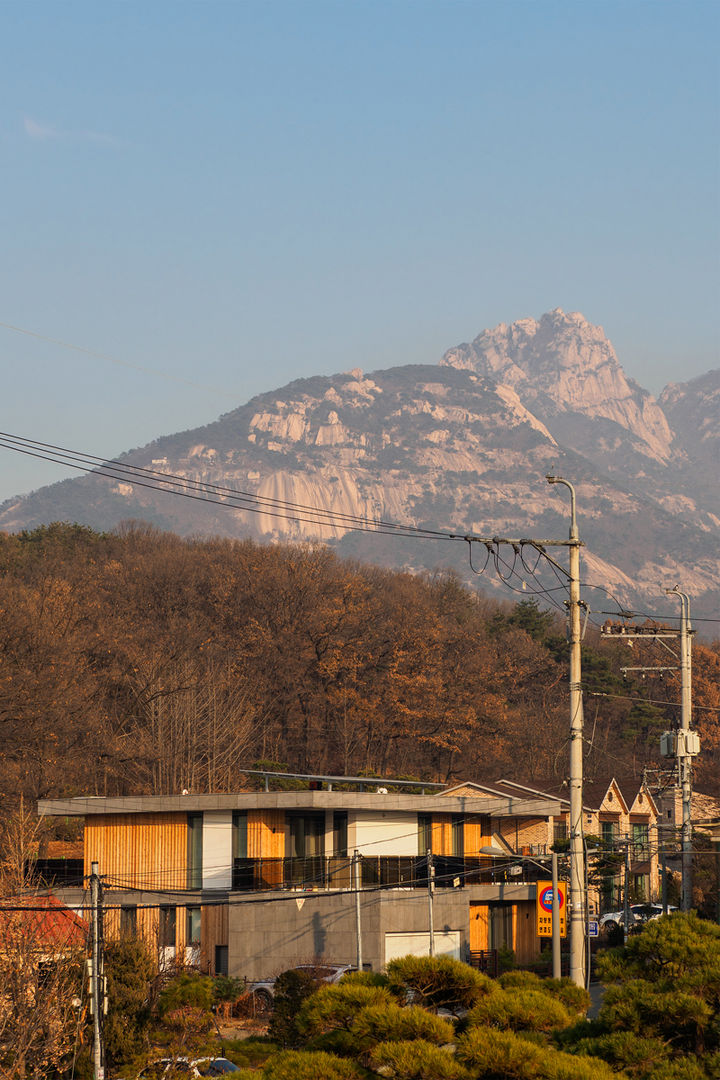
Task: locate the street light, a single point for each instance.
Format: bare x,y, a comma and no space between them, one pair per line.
497,853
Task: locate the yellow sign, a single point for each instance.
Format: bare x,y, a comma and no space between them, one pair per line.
544,908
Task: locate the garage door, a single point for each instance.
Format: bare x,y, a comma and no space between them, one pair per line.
447,943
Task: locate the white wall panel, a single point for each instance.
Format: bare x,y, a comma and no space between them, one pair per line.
383,833
447,943
217,849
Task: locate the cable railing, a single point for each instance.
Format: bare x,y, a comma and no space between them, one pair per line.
317,872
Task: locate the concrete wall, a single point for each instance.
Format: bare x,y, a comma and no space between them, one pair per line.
383,832
267,938
217,849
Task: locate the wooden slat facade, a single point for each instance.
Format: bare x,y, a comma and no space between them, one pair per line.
266,834
479,927
442,835
214,932
266,840
525,943
138,850
477,833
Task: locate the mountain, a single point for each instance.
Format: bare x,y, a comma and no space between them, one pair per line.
462,446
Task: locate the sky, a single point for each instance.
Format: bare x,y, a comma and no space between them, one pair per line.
214,199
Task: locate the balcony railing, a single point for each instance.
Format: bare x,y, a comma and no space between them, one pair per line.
387,871
57,872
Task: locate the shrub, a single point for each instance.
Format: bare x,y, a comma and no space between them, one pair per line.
500,1054
575,998
416,1060
671,1014
687,1068
665,986
437,981
520,1010
226,989
292,988
335,1007
521,980
252,1051
193,991
309,1065
503,1055
130,967
364,978
625,1050
390,1023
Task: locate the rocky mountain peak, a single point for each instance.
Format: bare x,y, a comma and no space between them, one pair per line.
561,363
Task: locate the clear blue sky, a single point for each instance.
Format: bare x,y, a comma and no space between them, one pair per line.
238,194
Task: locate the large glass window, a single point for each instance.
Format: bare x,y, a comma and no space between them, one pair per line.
340,832
424,833
639,888
458,835
306,835
239,834
560,831
608,832
221,959
167,927
641,839
194,850
128,920
193,925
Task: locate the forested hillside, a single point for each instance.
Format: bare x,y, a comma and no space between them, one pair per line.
140,662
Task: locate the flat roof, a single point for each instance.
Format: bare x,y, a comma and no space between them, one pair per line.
90,805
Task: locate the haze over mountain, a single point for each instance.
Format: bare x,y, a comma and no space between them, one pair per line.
463,446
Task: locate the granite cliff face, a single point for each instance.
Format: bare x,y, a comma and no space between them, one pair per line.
461,446
560,365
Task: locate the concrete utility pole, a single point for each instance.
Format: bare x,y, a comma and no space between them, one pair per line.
431,897
626,894
358,919
578,893
684,744
556,954
578,901
97,989
684,757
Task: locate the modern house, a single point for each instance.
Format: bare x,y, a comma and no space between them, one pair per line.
251,883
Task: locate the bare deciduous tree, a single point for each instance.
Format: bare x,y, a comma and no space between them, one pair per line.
41,964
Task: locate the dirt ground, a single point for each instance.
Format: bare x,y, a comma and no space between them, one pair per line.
241,1028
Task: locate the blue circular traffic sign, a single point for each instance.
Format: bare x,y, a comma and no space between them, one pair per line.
546,899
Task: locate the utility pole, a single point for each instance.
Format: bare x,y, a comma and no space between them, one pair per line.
556,955
626,894
684,744
684,747
577,903
358,919
431,895
578,892
97,980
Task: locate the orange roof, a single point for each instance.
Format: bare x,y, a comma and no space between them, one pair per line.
47,920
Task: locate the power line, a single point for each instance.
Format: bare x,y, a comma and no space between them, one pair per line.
231,498
650,701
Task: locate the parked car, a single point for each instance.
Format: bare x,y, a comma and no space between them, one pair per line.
183,1067
639,913
263,990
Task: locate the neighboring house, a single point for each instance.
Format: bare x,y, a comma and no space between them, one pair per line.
41,926
251,883
617,821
